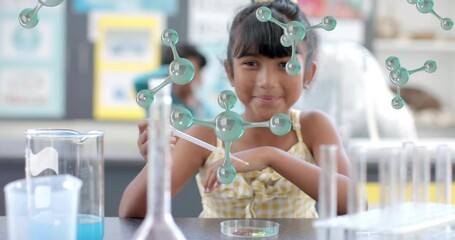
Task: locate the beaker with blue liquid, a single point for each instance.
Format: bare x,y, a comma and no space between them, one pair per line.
66,151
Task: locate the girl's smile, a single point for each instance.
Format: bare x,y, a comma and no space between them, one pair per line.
267,99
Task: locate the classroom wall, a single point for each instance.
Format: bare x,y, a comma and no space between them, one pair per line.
122,159
121,156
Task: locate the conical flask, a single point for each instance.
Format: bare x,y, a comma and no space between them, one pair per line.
158,222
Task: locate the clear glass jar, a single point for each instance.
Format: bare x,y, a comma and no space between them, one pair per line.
66,151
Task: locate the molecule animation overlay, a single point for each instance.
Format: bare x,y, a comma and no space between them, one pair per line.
399,76
229,126
28,18
427,6
294,32
181,70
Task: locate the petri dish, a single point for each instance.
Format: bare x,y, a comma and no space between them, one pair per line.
249,228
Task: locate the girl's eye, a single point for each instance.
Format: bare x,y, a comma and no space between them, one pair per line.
282,64
250,63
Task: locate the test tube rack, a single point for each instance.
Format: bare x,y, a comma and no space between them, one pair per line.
396,217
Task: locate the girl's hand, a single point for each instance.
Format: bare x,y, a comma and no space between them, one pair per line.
258,159
142,140
173,139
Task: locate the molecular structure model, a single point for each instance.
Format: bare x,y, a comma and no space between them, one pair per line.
294,32
28,18
229,126
399,76
426,6
181,70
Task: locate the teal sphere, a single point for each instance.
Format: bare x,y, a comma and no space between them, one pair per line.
285,42
181,118
263,14
425,6
397,102
329,23
226,174
229,126
294,31
447,24
145,98
293,67
181,71
227,99
392,63
50,3
27,20
280,124
169,37
430,66
399,77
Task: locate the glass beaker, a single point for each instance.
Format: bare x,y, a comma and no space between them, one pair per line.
42,207
66,151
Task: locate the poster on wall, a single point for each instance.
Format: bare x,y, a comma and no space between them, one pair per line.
32,63
335,8
126,46
208,23
85,6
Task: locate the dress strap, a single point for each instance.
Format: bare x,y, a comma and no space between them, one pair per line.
295,117
219,143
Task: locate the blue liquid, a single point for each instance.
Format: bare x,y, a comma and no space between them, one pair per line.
90,227
49,227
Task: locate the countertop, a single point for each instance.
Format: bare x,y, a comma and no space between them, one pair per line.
197,228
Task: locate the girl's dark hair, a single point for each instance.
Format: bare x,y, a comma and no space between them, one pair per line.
185,50
248,35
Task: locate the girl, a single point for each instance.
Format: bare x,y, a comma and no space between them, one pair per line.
282,178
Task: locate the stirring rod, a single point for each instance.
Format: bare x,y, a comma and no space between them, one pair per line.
204,145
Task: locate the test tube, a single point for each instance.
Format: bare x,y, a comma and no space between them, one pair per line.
356,187
443,182
420,175
388,177
405,172
443,174
421,184
327,182
327,202
357,180
420,164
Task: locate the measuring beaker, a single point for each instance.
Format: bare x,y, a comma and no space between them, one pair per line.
42,207
66,151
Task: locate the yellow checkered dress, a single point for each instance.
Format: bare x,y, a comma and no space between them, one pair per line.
259,194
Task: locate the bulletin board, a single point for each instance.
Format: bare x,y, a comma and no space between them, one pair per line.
84,6
32,63
207,29
335,8
125,47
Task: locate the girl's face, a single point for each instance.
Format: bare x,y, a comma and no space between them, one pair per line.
263,86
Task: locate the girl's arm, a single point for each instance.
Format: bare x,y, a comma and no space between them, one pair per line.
306,176
301,173
134,198
184,165
316,130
